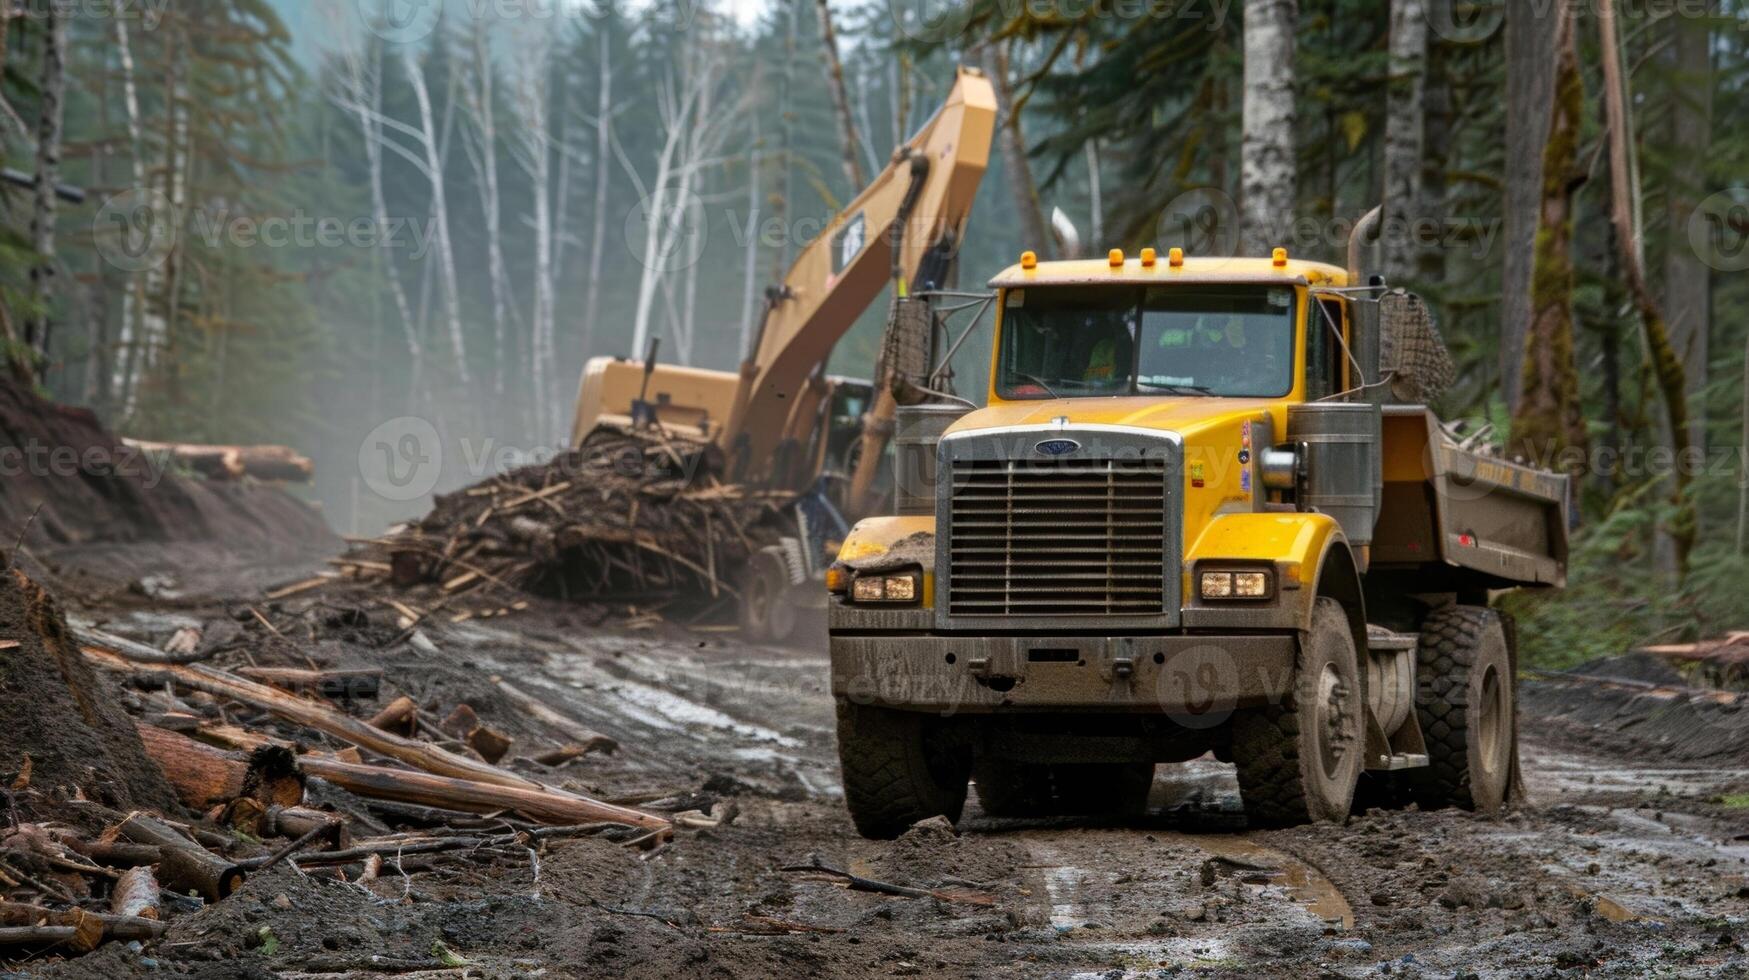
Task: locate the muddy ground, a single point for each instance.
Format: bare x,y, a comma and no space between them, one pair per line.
1631,858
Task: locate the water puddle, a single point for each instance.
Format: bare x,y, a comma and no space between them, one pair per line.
1264,868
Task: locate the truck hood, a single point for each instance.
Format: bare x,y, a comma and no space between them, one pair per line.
1186,416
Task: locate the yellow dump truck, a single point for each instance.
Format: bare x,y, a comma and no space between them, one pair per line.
1201,512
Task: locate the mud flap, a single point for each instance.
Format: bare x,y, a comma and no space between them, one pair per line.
1516,795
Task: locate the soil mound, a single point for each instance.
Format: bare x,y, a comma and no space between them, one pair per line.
65,730
91,488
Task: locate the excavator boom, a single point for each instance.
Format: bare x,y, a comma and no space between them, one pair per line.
901,229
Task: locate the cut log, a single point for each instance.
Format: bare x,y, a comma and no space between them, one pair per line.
335,685
69,936
185,866
400,716
118,854
119,928
135,894
321,717
400,786
129,649
280,463
464,725
202,777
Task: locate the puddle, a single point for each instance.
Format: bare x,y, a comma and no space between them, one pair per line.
1302,882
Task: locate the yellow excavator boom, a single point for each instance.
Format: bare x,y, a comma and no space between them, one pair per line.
766,417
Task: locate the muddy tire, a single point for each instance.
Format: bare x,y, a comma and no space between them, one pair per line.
899,767
1464,699
1299,762
766,613
1107,789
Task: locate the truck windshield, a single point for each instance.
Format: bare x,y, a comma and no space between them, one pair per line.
1229,341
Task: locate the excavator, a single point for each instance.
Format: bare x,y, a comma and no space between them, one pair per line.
780,422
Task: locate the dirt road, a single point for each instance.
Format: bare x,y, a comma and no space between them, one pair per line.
1625,862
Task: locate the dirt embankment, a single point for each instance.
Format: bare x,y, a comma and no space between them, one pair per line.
87,500
65,731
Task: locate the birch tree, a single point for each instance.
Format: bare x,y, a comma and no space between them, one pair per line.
532,102
361,94
434,172
1267,168
482,147
1034,232
604,143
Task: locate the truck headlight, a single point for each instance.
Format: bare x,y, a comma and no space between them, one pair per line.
885,588
1254,584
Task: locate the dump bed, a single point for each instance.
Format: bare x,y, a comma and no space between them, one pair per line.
1464,519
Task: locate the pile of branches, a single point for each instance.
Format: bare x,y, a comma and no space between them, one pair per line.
632,517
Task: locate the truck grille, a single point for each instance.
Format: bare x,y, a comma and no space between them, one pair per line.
1077,538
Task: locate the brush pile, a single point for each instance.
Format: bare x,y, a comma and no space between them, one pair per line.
631,518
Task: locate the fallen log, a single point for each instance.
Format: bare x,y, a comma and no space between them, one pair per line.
281,463
321,717
203,777
129,649
185,865
70,936
335,685
135,894
401,786
119,928
118,854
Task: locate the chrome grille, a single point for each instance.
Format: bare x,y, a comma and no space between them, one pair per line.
1071,537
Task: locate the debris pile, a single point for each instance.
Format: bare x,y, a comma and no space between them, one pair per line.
632,519
125,820
1721,663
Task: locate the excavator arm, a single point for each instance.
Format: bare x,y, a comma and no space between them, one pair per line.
900,230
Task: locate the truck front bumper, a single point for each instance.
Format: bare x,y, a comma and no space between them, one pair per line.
1194,678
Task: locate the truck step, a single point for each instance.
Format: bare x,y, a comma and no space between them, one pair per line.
1401,760
1379,638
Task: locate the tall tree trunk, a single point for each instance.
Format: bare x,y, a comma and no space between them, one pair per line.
1095,196
1530,86
1404,135
53,95
1034,232
482,103
1666,365
1549,418
850,148
440,218
750,273
139,326
1267,166
786,142
598,217
1436,150
1687,279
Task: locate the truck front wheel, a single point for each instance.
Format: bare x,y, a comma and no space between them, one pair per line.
1465,701
899,767
1299,762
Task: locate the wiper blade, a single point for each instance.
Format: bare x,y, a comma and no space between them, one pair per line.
1177,389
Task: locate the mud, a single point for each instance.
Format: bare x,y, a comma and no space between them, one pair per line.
1629,859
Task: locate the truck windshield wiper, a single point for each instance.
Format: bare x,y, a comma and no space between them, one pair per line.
1037,381
1177,389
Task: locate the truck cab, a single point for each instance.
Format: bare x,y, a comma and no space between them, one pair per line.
1195,515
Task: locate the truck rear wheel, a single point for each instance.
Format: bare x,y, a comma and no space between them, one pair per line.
1299,762
899,767
1465,702
1021,789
